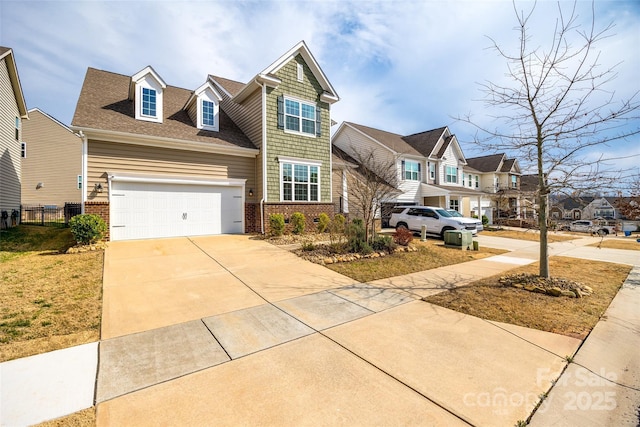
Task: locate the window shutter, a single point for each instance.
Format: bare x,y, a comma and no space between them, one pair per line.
403,176
281,112
318,121
419,172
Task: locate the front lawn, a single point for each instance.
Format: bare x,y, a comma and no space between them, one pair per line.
430,254
530,235
50,300
575,317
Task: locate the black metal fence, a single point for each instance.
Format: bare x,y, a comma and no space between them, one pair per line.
49,216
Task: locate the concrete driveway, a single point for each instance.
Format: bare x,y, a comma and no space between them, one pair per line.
228,330
149,284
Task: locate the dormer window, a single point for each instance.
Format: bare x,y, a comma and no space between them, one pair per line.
208,116
203,107
146,92
148,102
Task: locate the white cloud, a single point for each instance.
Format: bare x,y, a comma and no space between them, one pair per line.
402,66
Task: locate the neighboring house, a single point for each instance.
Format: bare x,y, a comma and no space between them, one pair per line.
499,176
51,162
13,110
162,161
585,207
429,166
529,196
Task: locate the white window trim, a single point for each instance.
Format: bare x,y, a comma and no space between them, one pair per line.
148,82
303,162
301,101
447,174
418,171
17,127
216,114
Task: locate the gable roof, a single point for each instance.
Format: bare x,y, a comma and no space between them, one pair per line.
425,142
529,183
104,105
268,78
393,141
489,163
6,53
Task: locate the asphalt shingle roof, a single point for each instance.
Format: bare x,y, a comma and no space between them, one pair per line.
104,104
488,163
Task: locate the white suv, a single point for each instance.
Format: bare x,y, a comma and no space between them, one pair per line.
437,220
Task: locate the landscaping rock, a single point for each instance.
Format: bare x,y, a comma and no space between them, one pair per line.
553,286
555,291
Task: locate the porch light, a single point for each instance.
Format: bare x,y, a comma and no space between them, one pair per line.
97,187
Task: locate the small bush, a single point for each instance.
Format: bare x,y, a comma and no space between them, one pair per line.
356,236
87,228
298,222
403,237
276,224
485,220
383,243
308,246
323,222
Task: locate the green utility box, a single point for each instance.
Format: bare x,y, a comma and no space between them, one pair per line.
461,239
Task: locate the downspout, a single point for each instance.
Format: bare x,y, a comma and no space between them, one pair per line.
264,156
85,153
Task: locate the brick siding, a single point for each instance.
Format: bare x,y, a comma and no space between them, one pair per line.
101,209
311,212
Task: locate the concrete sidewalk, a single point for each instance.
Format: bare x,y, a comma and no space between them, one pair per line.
601,387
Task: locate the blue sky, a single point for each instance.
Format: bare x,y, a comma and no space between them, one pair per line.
401,66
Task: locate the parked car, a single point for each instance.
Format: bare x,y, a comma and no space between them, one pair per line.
437,220
454,213
593,227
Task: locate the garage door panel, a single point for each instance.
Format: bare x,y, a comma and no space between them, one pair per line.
150,210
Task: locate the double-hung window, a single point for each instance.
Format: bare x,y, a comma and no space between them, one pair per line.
300,182
148,102
477,179
411,170
432,170
451,174
469,180
300,116
514,181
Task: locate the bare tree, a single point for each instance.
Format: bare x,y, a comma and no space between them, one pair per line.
629,207
372,179
555,108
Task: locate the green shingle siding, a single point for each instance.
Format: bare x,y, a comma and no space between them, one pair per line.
281,143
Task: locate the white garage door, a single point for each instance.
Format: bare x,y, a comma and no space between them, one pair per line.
143,210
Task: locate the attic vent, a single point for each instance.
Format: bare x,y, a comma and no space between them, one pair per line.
300,72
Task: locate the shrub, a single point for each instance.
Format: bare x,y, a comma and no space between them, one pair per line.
323,222
356,236
276,224
87,228
383,243
298,222
308,246
485,220
402,236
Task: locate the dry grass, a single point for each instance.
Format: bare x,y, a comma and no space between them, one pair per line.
49,300
430,254
574,317
530,235
86,417
618,243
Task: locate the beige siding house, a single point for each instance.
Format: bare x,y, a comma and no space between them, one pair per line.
429,166
51,162
163,161
13,111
